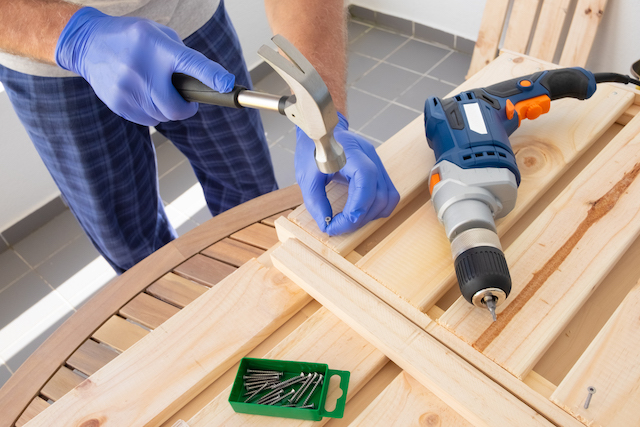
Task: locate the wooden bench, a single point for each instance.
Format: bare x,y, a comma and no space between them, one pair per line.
385,303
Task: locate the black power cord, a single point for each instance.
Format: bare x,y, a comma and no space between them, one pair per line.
615,78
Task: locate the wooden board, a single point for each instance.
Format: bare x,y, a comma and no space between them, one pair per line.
60,384
258,235
35,407
232,252
582,32
148,311
486,49
466,390
548,29
204,270
523,13
176,290
560,259
119,334
91,356
610,364
182,356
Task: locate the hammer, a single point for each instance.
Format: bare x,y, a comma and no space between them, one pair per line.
310,107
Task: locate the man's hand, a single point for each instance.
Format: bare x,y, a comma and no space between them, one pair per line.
129,63
372,195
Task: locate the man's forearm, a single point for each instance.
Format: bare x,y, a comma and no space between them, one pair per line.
31,27
318,29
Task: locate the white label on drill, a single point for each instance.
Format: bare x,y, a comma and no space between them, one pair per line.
474,117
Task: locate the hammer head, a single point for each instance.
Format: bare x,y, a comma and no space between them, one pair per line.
311,108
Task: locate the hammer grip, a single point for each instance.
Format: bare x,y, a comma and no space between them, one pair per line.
194,90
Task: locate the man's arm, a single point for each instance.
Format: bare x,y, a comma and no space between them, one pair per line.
318,29
31,27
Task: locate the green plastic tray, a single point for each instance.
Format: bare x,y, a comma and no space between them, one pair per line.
290,369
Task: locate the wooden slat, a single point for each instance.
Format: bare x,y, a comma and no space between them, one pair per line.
232,252
610,364
548,29
415,260
270,221
61,383
25,383
560,259
148,311
176,290
523,12
323,338
631,112
582,32
406,402
465,389
185,354
204,270
36,406
491,27
119,334
91,356
259,235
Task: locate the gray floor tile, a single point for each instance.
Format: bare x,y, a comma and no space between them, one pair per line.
377,43
176,182
453,69
3,244
358,65
387,81
389,122
168,157
401,25
362,107
45,241
275,125
4,374
68,262
283,165
433,35
423,89
22,295
35,220
356,29
465,45
418,56
274,84
11,268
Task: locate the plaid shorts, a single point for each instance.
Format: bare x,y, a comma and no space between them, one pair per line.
105,166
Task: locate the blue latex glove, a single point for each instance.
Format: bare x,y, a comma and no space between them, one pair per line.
129,63
372,195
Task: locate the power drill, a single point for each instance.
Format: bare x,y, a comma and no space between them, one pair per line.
476,177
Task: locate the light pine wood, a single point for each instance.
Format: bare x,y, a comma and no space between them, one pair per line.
415,260
270,221
631,112
610,364
539,384
547,34
148,311
232,252
465,389
520,27
582,32
406,402
183,355
560,259
119,334
491,26
176,290
259,235
204,270
91,356
61,382
35,407
323,338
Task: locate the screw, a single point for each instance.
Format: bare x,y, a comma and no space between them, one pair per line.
258,371
296,397
327,220
273,402
288,382
311,406
592,391
320,378
255,393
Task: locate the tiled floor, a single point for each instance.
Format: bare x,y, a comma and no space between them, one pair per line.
48,275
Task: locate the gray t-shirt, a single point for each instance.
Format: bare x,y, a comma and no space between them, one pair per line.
184,16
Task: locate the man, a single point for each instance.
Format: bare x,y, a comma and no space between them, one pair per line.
92,131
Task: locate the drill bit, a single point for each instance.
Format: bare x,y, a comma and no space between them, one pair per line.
490,302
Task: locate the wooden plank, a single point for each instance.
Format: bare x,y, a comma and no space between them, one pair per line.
560,259
148,311
631,112
610,364
61,383
465,389
119,334
91,356
26,382
548,29
582,32
269,221
36,406
258,235
323,338
232,252
204,270
176,290
406,402
523,13
539,384
182,356
491,26
415,260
